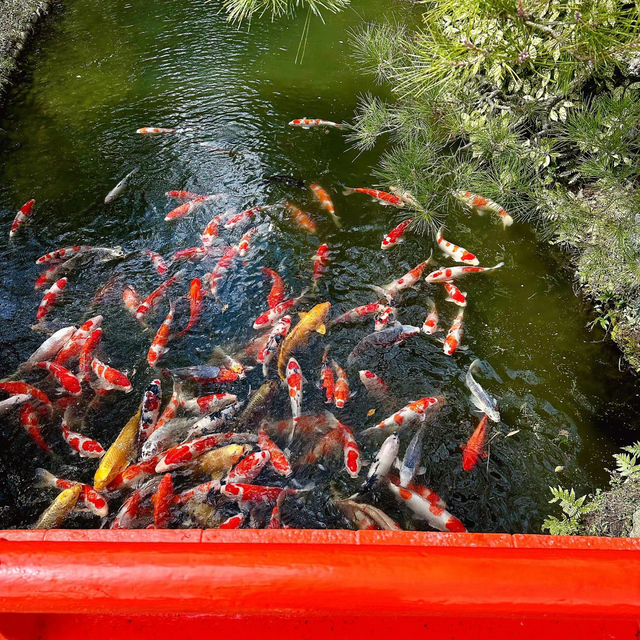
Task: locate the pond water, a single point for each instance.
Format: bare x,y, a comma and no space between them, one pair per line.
100,70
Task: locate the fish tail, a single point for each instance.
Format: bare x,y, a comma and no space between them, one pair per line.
500,264
336,221
347,191
44,478
264,370
383,293
507,220
439,234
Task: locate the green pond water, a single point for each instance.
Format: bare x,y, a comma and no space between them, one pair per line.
98,71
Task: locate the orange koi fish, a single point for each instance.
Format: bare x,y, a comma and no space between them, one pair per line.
185,209
276,295
65,378
382,197
159,345
154,131
325,202
308,123
454,336
301,218
341,392
195,305
474,449
483,205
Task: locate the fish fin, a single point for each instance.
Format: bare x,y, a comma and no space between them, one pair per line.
439,235
476,403
397,463
322,329
420,471
343,125
507,221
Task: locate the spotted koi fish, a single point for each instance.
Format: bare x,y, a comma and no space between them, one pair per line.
270,317
242,218
133,509
277,459
19,388
326,203
341,392
110,378
459,254
158,261
252,493
153,299
154,131
424,492
382,197
222,266
196,298
30,421
301,218
199,493
327,380
451,273
21,217
54,273
50,298
327,446
130,299
134,475
86,354
430,324
455,295
276,336
407,281
294,385
50,347
249,468
187,208
210,403
454,336
206,374
233,522
159,345
64,377
308,123
245,241
183,195
60,255
406,197
230,362
89,497
215,422
72,349
276,295
83,446
420,410
320,262
385,319
192,254
374,384
210,231
350,449
13,401
151,400
162,500
483,205
396,235
473,451
359,313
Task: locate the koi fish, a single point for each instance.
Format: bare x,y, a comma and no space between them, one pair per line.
130,299
159,345
383,461
162,500
30,421
382,197
134,475
396,235
480,398
276,336
308,123
206,425
158,261
120,187
192,254
54,272
151,400
221,268
183,195
21,388
275,521
327,446
320,262
278,460
459,254
83,446
412,456
382,339
341,392
22,216
233,522
228,361
13,401
89,497
243,493
50,298
455,295
185,209
86,354
374,384
358,313
195,305
406,197
421,410
424,492
110,378
65,378
366,517
430,324
294,385
249,468
451,273
386,319
454,335
217,462
474,449
301,218
350,449
199,493
408,280
205,374
436,516
325,202
60,255
58,511
152,300
258,403
132,510
154,131
298,336
210,403
276,295
270,317
210,232
74,346
243,245
327,381
242,218
483,205
50,347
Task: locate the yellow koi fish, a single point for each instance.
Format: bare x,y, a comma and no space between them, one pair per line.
56,513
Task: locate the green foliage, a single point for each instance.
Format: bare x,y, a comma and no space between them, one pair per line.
628,464
572,509
241,10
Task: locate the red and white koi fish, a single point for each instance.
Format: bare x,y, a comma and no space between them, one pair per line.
294,385
21,217
183,195
424,492
351,450
13,401
185,209
159,345
162,500
359,313
320,262
474,449
430,324
20,388
420,410
301,218
454,336
483,205
50,347
65,378
210,232
275,521
435,515
50,298
54,273
278,460
199,493
309,425
374,384
131,299
386,319
396,235
186,452
233,522
221,268
85,447
210,403
195,305
151,400
73,348
451,273
152,300
276,336
30,421
249,468
307,123
110,378
158,261
89,497
192,254
154,131
341,392
408,280
133,509
325,202
406,197
243,493
60,255
327,380
230,362
134,475
382,197
242,218
206,374
455,295
459,254
245,241
171,410
86,354
270,317
276,295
